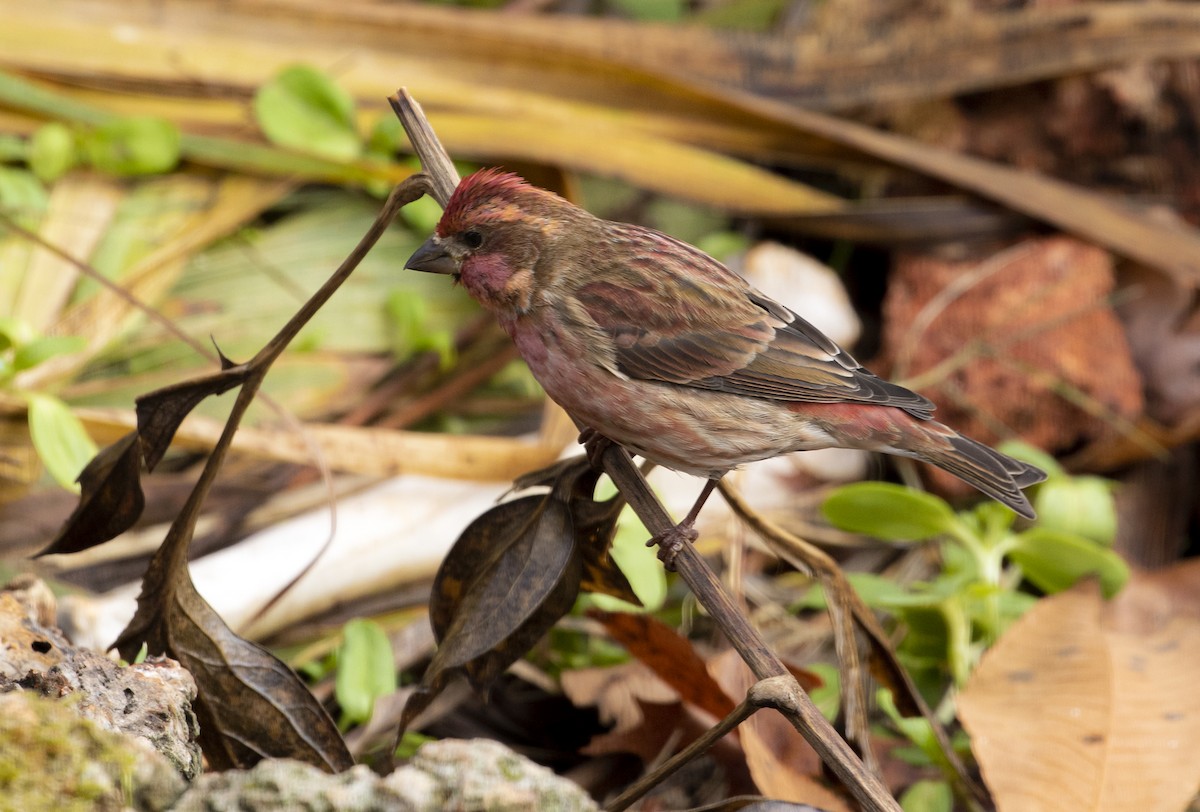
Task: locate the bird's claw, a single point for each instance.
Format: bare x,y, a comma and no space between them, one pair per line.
671,543
594,445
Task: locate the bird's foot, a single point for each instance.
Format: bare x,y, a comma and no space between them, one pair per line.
594,445
671,543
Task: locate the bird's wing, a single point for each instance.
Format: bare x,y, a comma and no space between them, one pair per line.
676,315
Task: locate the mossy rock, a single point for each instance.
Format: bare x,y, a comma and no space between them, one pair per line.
51,758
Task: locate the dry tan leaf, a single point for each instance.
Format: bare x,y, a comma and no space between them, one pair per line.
618,693
372,451
1090,707
782,764
81,208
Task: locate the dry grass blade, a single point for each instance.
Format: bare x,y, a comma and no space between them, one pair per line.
563,91
355,449
565,100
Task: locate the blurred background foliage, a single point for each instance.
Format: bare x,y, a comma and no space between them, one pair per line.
1007,194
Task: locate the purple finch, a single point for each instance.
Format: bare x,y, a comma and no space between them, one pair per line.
655,345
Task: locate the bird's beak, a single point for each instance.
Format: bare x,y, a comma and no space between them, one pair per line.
431,257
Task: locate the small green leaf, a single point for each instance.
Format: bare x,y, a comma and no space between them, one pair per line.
22,193
889,512
827,695
15,332
422,214
662,11
13,148
52,151
1082,505
59,438
42,349
1054,561
303,109
638,562
928,796
386,137
1032,455
723,244
137,145
992,521
366,669
410,742
916,729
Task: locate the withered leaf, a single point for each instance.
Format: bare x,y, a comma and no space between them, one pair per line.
160,412
499,573
250,705
670,655
511,575
111,501
595,523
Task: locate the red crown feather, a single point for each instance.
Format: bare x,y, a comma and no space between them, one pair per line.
473,191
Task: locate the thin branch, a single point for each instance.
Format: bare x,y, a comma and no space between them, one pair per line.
846,607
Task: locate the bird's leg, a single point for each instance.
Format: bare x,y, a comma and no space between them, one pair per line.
594,445
672,541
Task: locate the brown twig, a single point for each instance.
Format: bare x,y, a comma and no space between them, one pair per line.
847,610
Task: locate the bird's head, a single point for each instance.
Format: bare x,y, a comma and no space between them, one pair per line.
493,232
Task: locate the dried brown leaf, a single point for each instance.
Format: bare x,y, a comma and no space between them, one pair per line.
160,413
112,498
250,705
669,655
1104,693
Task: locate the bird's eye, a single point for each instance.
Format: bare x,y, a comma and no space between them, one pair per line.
472,239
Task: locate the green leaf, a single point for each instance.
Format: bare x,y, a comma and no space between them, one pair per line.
1054,561
928,796
1032,455
422,214
410,742
662,11
638,562
13,148
992,521
387,136
916,729
15,332
303,109
137,145
366,669
42,349
889,512
413,330
1082,505
52,151
741,15
827,695
723,244
59,438
22,193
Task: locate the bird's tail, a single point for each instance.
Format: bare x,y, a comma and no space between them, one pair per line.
997,475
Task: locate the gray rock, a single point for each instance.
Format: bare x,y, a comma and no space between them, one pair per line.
151,700
479,774
284,785
444,776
